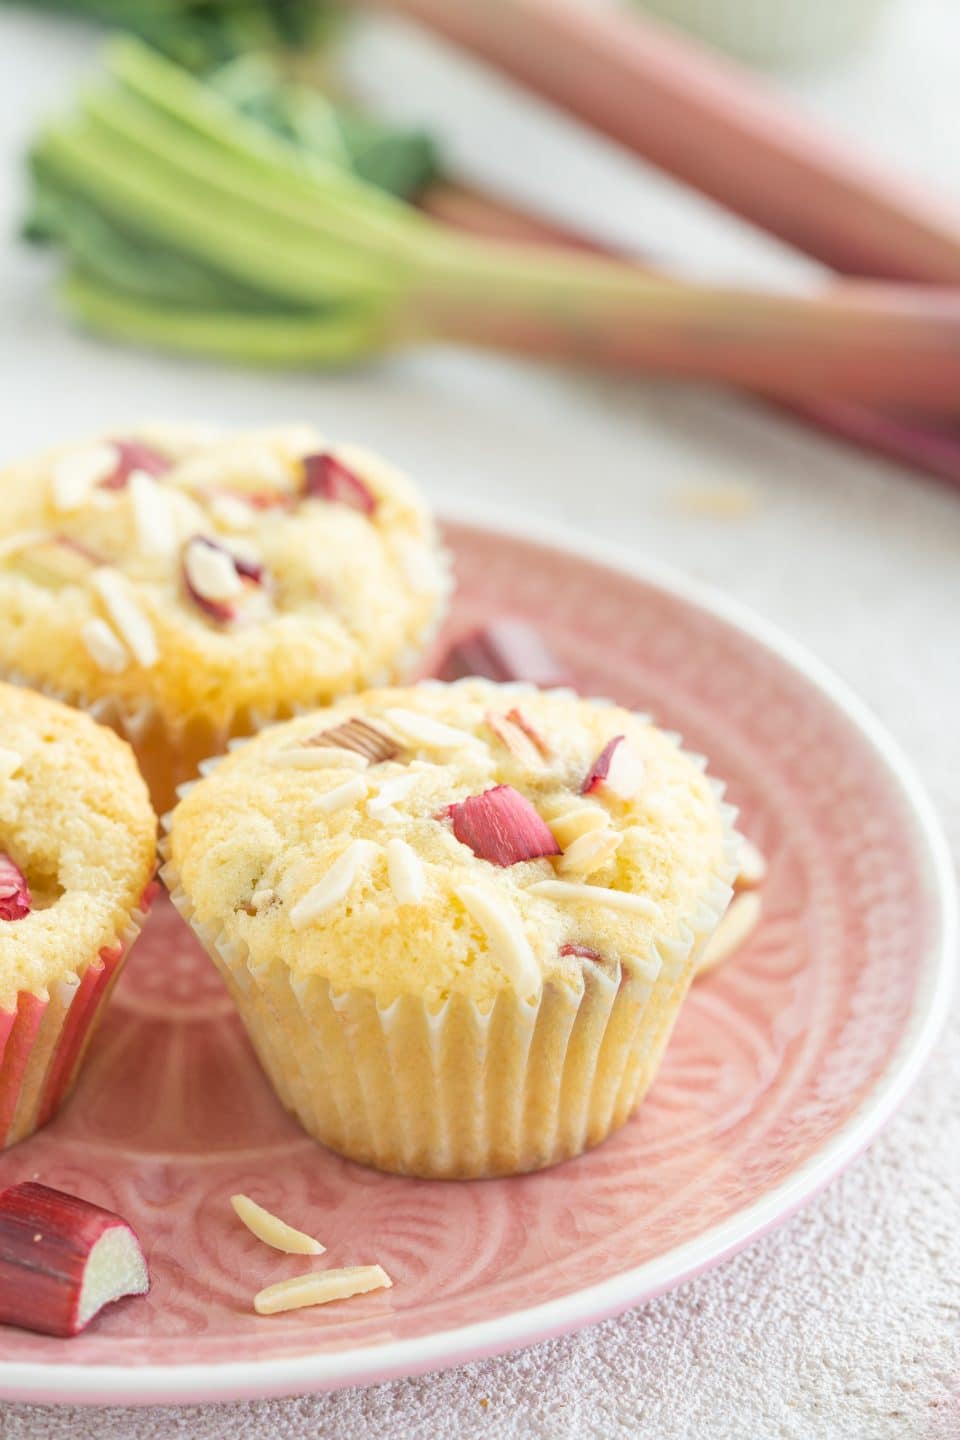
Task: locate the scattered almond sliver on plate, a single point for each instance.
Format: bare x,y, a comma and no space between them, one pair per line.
737,925
321,1288
272,1230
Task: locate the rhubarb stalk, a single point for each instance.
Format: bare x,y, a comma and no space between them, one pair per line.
62,1259
710,124
335,269
927,447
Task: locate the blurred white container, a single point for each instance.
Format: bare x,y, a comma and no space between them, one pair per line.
774,32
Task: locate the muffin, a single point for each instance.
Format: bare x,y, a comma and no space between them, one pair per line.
77,856
186,586
457,920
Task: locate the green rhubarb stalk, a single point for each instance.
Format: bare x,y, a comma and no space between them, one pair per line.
335,338
168,153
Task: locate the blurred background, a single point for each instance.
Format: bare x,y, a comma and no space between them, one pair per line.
725,485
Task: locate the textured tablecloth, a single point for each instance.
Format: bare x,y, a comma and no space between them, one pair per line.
845,1322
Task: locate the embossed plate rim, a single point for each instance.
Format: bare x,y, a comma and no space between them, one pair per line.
180,1384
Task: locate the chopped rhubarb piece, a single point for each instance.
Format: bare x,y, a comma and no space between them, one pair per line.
504,650
62,1259
214,576
362,737
134,455
617,768
326,478
15,901
584,952
502,826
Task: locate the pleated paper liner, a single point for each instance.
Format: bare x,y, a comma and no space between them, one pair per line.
460,1091
169,751
43,1040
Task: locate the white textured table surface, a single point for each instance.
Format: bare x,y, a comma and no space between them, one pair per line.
845,1322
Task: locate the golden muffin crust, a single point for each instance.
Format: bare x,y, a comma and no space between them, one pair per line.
336,865
204,573
76,820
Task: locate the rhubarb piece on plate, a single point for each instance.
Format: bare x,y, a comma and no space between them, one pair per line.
504,650
217,581
62,1259
502,826
458,930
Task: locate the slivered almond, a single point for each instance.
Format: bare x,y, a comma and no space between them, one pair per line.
318,757
589,852
351,792
505,935
573,823
753,866
75,475
211,572
321,1288
272,1230
533,735
153,516
405,872
334,885
380,806
736,927
129,619
10,762
566,892
231,512
516,741
424,730
56,562
105,649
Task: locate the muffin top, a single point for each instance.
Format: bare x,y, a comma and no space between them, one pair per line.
455,838
77,840
208,572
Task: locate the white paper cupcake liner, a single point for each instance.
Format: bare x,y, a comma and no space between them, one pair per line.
44,1038
465,1092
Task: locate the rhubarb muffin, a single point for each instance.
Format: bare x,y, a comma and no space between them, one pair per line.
458,920
186,585
77,857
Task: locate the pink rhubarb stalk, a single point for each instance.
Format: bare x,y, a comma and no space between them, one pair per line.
710,124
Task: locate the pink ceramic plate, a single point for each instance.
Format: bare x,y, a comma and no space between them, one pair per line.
784,1064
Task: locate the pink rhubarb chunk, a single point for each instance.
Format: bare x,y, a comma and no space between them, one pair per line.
502,826
326,478
15,901
504,650
135,455
617,768
62,1259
